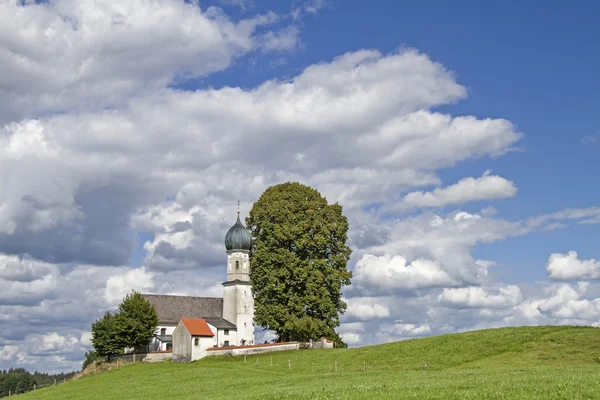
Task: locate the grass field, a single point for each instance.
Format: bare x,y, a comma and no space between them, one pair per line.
507,363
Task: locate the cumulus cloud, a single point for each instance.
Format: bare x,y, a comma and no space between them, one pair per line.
486,187
569,266
393,272
565,302
81,54
477,297
118,286
366,308
132,159
402,330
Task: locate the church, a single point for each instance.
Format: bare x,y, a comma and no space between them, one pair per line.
190,325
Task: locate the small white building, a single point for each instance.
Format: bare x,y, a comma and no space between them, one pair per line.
193,336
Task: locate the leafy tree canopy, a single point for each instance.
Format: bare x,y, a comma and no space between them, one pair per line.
131,326
136,320
298,264
104,336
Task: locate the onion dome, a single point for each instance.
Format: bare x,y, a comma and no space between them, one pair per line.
238,237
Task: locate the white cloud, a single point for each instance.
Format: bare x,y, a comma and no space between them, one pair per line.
365,309
477,297
118,286
360,103
90,53
565,303
569,266
486,187
402,330
351,338
590,215
394,273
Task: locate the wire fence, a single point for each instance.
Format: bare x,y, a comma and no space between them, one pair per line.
317,365
17,391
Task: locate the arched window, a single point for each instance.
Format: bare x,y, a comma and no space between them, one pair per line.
237,265
163,331
196,342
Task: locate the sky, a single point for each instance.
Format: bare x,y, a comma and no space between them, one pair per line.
461,139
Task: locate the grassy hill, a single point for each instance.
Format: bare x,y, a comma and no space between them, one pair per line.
507,363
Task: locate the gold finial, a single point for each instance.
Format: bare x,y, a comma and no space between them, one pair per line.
238,211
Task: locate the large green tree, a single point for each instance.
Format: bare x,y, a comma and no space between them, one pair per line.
104,336
136,321
298,262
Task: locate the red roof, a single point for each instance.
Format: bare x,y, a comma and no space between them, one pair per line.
197,327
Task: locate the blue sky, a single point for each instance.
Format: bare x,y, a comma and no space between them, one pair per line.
535,65
133,128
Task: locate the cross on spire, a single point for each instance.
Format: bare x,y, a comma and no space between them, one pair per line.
238,210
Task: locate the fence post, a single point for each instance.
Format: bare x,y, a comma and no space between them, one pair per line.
256,360
289,364
54,381
9,393
364,366
34,387
271,361
313,366
244,358
335,365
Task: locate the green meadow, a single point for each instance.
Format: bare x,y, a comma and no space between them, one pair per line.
508,363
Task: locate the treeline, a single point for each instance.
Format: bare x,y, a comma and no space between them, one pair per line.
19,380
131,327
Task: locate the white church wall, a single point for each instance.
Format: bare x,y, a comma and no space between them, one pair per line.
157,345
238,266
229,303
226,337
182,344
245,314
199,346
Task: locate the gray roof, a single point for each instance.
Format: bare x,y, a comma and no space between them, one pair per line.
220,323
165,338
171,309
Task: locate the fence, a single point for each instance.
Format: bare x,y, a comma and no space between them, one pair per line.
313,366
30,389
303,363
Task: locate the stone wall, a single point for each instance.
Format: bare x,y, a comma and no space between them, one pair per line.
153,356
256,349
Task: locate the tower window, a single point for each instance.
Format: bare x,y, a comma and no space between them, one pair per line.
237,265
163,331
196,342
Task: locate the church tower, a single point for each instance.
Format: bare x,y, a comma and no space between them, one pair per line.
238,302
